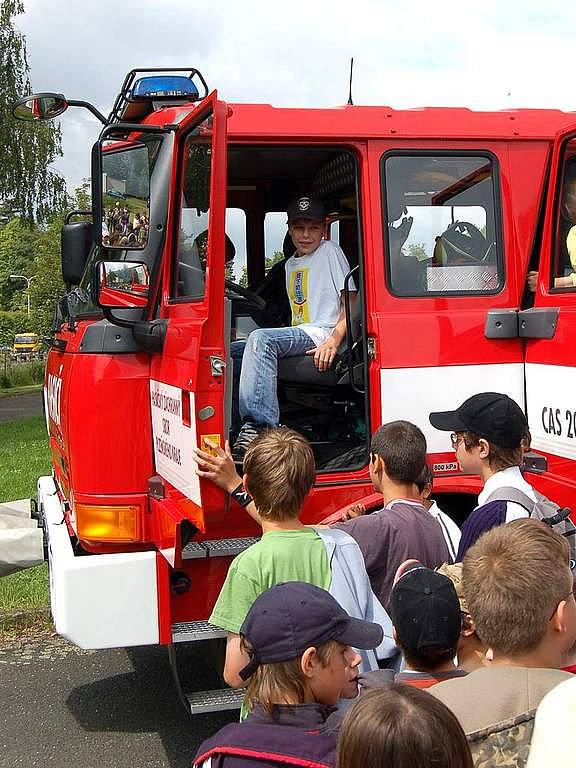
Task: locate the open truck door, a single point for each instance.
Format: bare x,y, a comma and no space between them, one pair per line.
549,330
188,382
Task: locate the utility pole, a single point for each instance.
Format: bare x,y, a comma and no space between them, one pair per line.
28,281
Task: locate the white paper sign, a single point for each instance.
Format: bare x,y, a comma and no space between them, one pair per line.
174,440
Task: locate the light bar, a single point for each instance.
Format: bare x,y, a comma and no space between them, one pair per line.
164,87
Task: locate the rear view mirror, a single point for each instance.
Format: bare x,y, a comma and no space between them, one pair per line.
40,106
75,241
121,284
123,203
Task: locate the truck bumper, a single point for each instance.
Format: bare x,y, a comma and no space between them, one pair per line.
98,601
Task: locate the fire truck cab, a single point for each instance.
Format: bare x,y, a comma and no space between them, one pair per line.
442,215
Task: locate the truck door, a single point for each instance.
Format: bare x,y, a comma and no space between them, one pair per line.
550,329
445,325
187,380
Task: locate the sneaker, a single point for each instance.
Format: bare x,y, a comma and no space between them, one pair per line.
247,434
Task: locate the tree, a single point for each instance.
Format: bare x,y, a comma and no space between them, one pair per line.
17,243
48,286
418,251
28,187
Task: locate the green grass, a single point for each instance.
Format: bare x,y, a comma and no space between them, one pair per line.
24,456
22,374
11,391
25,590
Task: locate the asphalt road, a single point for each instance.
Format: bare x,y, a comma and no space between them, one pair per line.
62,706
14,407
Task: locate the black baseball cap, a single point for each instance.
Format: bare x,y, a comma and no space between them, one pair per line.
290,617
425,610
306,207
490,415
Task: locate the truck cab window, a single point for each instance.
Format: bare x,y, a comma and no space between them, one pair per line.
441,233
192,237
564,261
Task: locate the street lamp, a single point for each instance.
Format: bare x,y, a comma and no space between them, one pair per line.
28,281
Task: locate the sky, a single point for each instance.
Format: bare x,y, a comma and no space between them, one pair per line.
489,55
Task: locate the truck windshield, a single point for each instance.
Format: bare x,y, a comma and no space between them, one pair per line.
25,338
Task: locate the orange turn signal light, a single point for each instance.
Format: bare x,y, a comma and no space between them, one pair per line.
108,523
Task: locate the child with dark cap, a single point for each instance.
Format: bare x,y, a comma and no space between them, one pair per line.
489,434
425,611
315,276
299,644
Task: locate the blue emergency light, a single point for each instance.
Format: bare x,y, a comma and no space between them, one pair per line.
164,87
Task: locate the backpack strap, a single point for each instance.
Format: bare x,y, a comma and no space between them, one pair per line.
509,493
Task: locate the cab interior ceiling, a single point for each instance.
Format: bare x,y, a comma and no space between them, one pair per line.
269,177
442,181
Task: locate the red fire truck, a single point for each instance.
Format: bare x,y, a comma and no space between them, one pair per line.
442,214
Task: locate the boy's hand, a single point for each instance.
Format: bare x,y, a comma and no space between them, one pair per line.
532,281
354,510
218,467
378,678
324,353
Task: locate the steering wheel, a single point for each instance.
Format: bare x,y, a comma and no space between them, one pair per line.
249,299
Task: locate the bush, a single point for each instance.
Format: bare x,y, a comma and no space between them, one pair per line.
14,374
12,323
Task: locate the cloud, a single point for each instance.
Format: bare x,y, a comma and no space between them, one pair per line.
451,53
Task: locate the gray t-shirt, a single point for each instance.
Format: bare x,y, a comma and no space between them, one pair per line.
400,531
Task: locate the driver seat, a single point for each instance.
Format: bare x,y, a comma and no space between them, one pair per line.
301,370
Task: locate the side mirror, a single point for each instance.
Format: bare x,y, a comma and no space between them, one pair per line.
40,106
121,284
121,194
75,241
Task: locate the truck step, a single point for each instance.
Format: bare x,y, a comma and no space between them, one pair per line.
192,631
215,701
217,547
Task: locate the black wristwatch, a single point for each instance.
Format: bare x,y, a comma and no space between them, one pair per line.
241,495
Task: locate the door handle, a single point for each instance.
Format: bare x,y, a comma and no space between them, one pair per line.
538,322
501,324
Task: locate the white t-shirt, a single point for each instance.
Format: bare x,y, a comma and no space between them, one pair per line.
508,478
314,283
450,530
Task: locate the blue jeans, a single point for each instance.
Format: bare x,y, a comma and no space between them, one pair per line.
256,370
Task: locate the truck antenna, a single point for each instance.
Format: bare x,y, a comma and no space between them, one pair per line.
350,102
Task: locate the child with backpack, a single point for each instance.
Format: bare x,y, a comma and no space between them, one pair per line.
279,471
298,642
489,437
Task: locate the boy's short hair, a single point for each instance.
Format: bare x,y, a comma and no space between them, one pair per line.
426,478
281,471
401,726
514,577
499,457
402,447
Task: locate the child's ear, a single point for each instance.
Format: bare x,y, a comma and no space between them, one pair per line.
309,661
377,463
245,483
483,448
559,618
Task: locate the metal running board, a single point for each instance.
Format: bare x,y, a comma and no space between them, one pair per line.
192,631
216,548
215,701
